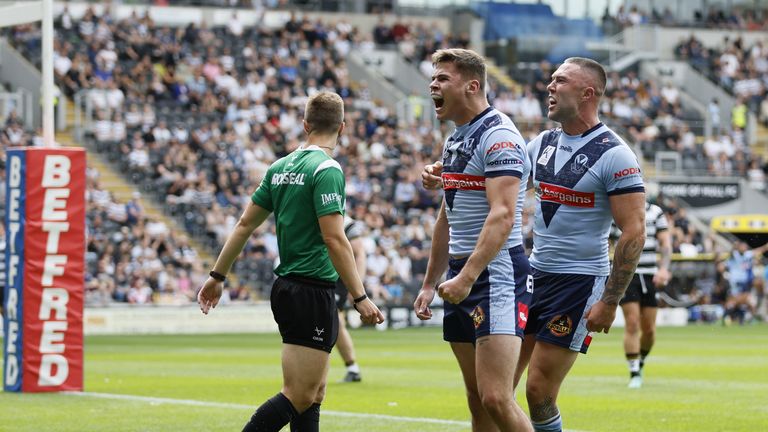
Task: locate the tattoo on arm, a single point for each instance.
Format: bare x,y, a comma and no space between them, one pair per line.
625,260
543,410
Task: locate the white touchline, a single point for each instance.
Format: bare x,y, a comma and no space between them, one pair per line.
159,400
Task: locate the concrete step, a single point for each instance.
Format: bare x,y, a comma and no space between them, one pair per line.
761,143
499,75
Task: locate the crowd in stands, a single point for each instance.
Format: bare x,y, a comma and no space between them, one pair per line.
734,18
195,115
129,257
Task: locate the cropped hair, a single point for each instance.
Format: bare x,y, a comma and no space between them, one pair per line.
324,112
593,68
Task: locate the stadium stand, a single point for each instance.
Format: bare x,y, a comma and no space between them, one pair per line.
193,115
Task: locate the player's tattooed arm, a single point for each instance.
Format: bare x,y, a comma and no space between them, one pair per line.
628,211
625,259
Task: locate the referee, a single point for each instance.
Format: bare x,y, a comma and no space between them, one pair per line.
305,190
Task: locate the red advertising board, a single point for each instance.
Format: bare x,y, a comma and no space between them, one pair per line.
50,287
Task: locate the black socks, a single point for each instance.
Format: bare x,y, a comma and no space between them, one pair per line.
272,415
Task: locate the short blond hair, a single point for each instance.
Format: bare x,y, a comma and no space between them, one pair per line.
469,63
324,112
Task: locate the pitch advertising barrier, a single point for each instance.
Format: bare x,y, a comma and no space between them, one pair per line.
44,255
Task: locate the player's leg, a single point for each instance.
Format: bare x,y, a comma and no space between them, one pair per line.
465,355
630,307
557,314
526,349
304,371
306,317
647,332
347,351
648,311
548,367
495,371
303,380
505,303
631,312
759,296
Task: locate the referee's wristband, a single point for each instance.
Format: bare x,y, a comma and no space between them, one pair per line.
359,299
218,276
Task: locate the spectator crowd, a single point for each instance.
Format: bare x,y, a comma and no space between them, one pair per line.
195,115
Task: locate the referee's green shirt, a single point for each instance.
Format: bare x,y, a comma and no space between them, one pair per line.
300,188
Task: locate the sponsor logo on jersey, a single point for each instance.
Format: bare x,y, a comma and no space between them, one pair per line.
478,316
505,162
561,195
501,146
545,155
626,172
288,178
330,198
560,325
463,182
522,315
566,148
579,165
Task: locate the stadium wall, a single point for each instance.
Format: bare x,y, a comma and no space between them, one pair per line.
21,74
663,40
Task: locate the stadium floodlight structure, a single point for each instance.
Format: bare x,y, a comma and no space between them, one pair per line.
22,12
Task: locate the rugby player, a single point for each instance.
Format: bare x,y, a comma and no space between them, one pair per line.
477,238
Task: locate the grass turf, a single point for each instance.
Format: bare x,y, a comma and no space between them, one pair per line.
702,378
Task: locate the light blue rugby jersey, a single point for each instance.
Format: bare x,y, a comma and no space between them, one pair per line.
488,146
573,177
740,267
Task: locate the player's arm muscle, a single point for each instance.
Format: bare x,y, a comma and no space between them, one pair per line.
501,193
438,253
629,214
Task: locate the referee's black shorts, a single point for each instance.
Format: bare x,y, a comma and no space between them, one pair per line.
305,311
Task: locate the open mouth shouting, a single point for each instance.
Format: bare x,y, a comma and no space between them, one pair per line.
439,102
551,102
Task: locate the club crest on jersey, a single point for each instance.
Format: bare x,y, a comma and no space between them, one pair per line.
579,165
461,150
478,316
545,155
560,325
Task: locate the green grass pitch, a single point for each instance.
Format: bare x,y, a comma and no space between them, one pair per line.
698,378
